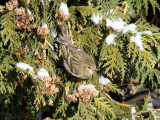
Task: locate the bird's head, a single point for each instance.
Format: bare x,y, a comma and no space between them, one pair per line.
89,68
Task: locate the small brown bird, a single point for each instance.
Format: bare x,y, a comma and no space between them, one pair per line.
76,61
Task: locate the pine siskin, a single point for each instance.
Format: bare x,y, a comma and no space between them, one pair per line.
76,61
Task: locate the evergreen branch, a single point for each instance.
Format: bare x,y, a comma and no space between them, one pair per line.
146,101
120,104
114,88
147,111
84,112
113,60
103,105
61,110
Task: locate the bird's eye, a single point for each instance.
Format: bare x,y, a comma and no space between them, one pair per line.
89,67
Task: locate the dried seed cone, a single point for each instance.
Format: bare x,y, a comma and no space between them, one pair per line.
49,85
43,31
84,94
11,4
22,19
63,16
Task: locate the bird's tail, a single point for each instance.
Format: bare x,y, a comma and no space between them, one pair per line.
65,32
64,39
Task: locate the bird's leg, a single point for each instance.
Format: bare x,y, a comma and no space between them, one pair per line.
78,87
78,82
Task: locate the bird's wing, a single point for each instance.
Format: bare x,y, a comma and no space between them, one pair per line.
67,67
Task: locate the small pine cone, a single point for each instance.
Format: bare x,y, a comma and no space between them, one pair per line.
29,29
9,6
47,79
2,8
59,21
14,2
21,19
95,93
90,91
46,31
51,102
86,101
105,88
31,18
71,97
55,78
20,11
43,92
56,90
76,93
63,16
82,95
85,90
43,31
46,84
52,87
40,31
21,22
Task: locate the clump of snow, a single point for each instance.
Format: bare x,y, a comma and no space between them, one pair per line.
42,73
104,81
25,67
147,32
42,1
69,95
157,115
89,86
53,33
130,27
64,7
133,111
110,39
29,12
116,24
150,106
44,26
137,40
96,18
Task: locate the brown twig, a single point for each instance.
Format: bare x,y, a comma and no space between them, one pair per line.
148,111
120,104
49,44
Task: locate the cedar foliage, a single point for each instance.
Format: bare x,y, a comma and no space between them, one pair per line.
22,95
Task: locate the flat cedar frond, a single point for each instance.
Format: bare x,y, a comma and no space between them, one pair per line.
142,25
61,109
8,27
113,60
139,4
104,106
147,98
154,73
85,11
114,88
84,112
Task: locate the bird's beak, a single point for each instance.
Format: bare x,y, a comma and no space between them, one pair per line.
95,70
